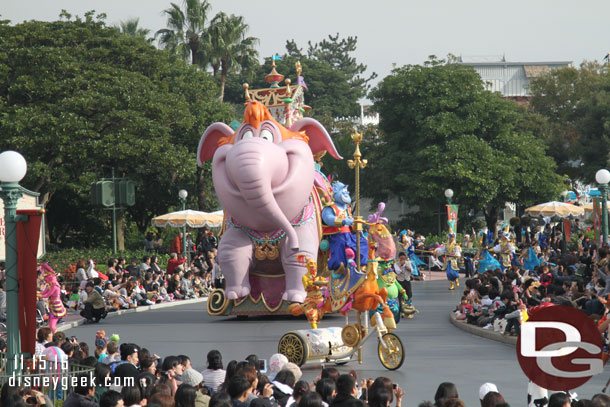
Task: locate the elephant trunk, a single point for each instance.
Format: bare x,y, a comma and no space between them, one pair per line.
254,175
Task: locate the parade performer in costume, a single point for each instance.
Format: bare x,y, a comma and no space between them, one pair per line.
337,217
313,307
506,249
396,293
53,293
410,250
452,252
404,271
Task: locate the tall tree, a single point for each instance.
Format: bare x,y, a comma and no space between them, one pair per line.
185,28
130,27
338,52
229,48
97,100
441,129
574,102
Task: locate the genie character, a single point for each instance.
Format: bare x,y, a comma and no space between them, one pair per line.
53,293
263,175
337,216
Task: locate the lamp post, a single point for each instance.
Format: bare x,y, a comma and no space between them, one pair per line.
449,195
12,170
564,197
603,178
182,194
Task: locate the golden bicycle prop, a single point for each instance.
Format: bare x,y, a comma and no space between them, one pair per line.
336,344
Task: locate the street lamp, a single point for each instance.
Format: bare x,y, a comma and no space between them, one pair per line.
603,178
12,170
182,194
449,195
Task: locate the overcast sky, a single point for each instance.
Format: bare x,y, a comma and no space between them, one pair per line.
389,32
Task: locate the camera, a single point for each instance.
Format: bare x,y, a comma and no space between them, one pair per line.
262,366
394,386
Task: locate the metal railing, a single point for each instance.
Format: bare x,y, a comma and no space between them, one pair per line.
55,379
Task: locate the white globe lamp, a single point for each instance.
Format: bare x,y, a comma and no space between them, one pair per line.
12,166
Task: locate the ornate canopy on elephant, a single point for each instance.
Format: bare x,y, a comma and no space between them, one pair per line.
263,174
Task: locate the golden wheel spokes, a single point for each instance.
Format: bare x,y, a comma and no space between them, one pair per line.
292,348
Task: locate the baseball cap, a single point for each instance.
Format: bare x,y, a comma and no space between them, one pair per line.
192,377
128,349
486,388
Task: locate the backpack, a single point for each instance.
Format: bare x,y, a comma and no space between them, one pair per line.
114,365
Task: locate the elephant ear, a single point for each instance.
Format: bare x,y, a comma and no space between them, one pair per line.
319,139
209,141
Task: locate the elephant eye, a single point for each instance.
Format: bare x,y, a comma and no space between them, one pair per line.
266,135
248,134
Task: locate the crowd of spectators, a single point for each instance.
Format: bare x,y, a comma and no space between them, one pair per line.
94,293
500,299
139,377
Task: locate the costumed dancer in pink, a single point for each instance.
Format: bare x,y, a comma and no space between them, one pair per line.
53,293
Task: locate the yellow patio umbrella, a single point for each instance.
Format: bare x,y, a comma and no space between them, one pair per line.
589,207
554,208
190,218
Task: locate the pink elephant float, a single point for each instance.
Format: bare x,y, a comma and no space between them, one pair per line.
263,175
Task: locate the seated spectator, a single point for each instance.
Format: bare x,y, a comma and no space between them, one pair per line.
214,375
311,399
112,348
174,286
95,307
173,262
327,389
283,386
559,400
492,399
185,396
239,388
128,366
111,398
221,399
486,388
277,362
346,392
193,378
132,395
300,388
133,270
82,394
445,391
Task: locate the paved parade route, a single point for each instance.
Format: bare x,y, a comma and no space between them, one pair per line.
436,351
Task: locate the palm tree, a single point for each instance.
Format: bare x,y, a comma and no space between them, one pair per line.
184,30
229,48
130,27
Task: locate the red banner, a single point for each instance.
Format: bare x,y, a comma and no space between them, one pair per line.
28,234
452,216
597,219
567,230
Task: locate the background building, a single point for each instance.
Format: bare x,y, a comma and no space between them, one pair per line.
511,79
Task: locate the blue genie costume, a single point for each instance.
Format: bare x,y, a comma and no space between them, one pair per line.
337,219
452,252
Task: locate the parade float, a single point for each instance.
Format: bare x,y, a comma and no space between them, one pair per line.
290,243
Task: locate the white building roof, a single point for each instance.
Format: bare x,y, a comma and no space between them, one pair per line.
511,79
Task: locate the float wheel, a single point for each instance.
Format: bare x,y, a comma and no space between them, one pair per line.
294,348
391,355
